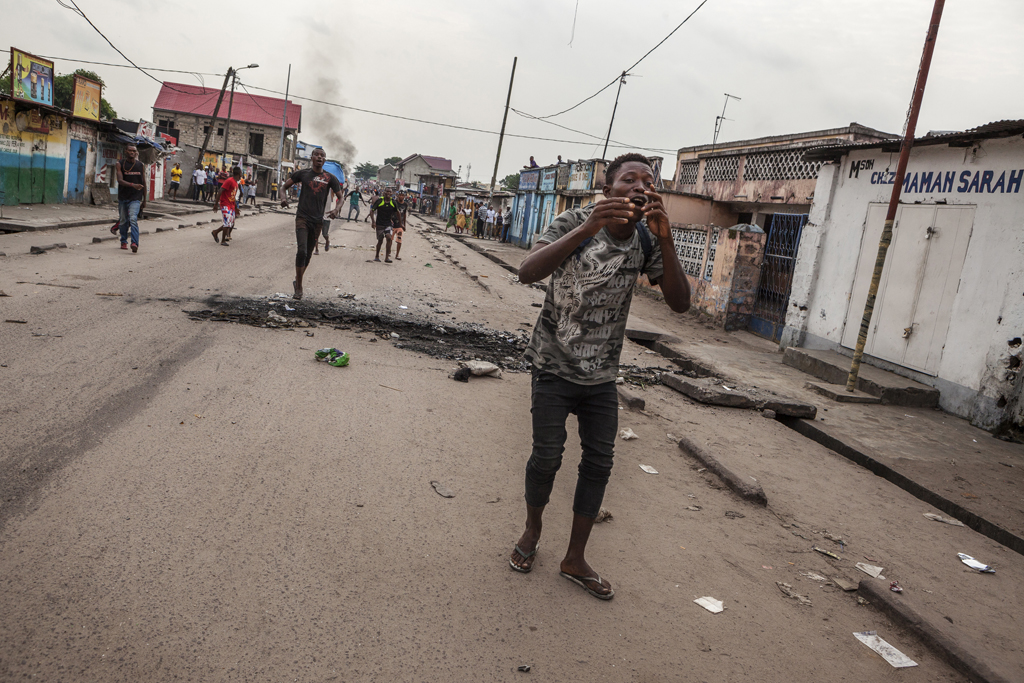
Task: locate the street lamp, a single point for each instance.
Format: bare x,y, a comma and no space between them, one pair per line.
231,101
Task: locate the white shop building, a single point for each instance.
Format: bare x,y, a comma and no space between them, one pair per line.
950,305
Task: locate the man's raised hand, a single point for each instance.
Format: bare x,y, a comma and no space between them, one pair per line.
657,217
608,212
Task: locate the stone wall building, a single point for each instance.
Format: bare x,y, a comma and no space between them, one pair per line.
253,135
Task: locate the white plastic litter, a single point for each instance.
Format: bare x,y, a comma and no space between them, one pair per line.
628,434
869,569
974,564
288,308
480,368
945,520
890,654
404,307
710,604
648,469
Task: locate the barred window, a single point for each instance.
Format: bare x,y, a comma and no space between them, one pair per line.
688,172
721,168
782,165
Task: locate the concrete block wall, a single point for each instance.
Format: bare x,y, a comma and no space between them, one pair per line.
191,131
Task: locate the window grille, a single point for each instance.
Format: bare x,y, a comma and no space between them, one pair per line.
688,172
782,165
690,248
709,269
721,168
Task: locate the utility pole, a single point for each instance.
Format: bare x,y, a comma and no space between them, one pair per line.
209,129
284,120
501,137
227,123
897,187
622,80
714,141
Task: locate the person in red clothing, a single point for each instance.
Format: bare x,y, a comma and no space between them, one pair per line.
228,204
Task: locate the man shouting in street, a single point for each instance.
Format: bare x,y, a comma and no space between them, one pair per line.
593,256
315,185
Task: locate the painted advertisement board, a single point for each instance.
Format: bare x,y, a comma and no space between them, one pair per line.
31,78
547,179
581,175
528,180
87,98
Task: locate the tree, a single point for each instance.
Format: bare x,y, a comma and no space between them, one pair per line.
366,170
64,91
392,160
511,181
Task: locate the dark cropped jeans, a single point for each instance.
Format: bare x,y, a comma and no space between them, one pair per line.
597,410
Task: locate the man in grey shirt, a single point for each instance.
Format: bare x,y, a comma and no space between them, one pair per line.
593,256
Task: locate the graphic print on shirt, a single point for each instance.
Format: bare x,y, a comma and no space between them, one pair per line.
600,291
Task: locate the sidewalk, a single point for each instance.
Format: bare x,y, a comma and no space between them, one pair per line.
40,217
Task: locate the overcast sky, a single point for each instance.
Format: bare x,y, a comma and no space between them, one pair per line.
798,65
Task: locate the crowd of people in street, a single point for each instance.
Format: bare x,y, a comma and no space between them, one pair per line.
482,220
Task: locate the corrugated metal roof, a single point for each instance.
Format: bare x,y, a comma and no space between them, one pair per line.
436,163
996,129
193,99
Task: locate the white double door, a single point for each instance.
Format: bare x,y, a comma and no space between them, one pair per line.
918,286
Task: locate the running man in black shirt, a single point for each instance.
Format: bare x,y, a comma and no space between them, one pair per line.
385,215
314,183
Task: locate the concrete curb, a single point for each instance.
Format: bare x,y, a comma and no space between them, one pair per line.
630,399
976,522
14,227
486,254
749,492
935,635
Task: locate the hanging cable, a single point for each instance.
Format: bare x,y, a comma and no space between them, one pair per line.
616,79
77,10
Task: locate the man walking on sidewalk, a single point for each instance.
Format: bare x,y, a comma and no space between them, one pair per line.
593,256
315,186
384,217
131,195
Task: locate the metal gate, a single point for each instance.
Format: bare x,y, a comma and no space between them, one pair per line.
772,299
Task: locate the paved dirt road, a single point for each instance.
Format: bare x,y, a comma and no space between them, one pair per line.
201,501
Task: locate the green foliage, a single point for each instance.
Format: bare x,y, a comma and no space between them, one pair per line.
511,181
392,160
366,170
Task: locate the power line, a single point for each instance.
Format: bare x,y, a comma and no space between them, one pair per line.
123,66
77,10
589,135
616,79
256,102
432,123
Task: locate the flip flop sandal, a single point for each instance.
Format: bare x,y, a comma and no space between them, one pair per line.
525,557
579,581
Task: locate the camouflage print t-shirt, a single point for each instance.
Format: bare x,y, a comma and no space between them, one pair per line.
579,334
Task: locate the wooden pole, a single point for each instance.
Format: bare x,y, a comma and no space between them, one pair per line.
622,79
213,123
897,187
501,137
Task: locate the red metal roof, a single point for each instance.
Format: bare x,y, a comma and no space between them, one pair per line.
194,99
